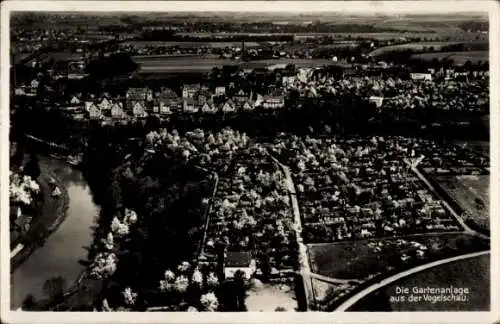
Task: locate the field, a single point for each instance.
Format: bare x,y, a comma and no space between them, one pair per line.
57,57
166,64
480,147
364,259
419,46
437,46
458,58
471,193
441,35
143,44
472,273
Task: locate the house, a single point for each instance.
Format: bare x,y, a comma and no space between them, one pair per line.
167,93
165,109
241,96
189,91
272,102
75,101
94,112
105,104
209,108
376,100
19,91
421,76
288,80
138,109
138,94
203,96
190,106
34,84
239,261
117,111
229,106
220,91
248,105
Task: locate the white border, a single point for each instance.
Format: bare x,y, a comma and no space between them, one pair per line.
339,7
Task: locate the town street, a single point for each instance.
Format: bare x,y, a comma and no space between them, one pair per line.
304,266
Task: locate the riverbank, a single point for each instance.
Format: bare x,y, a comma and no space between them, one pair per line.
54,212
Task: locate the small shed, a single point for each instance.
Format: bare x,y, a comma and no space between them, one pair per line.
241,261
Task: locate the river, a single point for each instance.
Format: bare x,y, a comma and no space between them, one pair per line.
63,249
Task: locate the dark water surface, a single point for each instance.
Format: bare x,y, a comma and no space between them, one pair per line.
63,249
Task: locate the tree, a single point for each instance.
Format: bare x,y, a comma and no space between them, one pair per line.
32,167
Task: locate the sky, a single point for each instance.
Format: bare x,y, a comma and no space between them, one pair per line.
347,7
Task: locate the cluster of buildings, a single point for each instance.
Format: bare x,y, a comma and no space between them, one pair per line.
142,102
448,89
358,188
251,218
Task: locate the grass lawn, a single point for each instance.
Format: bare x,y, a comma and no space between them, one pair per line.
471,193
365,259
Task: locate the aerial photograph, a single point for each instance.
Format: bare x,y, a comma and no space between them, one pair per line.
249,161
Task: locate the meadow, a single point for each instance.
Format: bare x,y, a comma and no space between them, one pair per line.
471,193
361,260
459,58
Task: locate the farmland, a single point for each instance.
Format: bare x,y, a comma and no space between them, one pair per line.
418,46
458,58
471,193
435,46
441,35
167,64
370,258
470,273
144,44
480,147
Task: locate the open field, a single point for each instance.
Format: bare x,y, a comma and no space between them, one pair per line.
365,259
420,46
481,147
143,44
471,193
458,58
437,46
472,273
56,57
192,64
413,33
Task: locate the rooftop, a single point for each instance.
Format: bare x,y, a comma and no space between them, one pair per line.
238,259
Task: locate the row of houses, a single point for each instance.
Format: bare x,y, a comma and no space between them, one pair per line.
145,102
